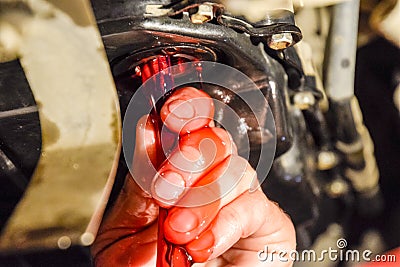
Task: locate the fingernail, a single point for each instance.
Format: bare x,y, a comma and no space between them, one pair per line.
190,153
204,242
169,186
182,109
188,159
183,221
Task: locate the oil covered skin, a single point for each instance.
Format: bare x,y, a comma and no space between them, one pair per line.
227,229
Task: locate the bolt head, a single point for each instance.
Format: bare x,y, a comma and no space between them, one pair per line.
203,15
199,19
280,41
304,100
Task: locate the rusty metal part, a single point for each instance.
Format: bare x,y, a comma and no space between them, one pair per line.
204,14
280,41
278,34
65,64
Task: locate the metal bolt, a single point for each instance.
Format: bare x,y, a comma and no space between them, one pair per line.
280,41
203,15
327,160
337,188
304,100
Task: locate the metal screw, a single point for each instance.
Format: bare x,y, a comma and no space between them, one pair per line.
204,14
280,41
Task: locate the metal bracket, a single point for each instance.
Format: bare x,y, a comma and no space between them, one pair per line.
278,35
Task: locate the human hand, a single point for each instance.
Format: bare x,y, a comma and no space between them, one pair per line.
227,230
